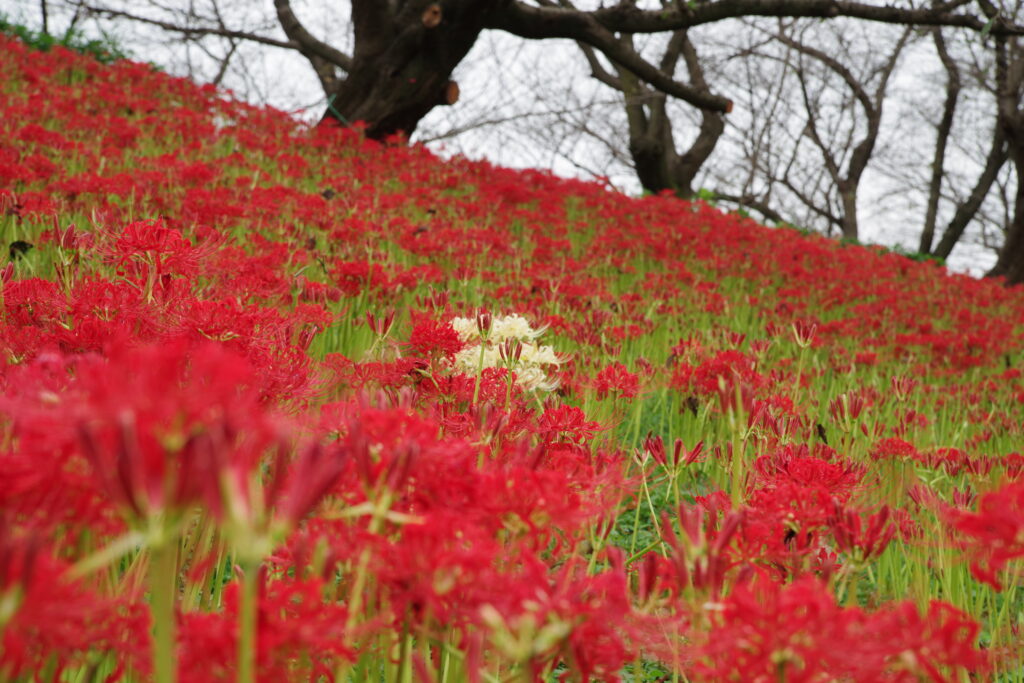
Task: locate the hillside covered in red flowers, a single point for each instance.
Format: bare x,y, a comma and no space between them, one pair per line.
278,403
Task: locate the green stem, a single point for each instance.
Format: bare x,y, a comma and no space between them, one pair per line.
636,527
674,483
355,597
650,505
736,470
508,390
643,551
849,586
247,610
446,662
163,588
479,371
798,389
404,674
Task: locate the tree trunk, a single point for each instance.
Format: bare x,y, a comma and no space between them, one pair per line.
941,139
848,196
1009,82
403,62
659,166
1010,264
966,211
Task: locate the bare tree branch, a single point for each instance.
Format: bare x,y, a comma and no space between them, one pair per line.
552,22
191,31
597,69
751,202
306,43
584,29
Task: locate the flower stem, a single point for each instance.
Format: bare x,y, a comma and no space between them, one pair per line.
479,373
247,623
163,587
356,594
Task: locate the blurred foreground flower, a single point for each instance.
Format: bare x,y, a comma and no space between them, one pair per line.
994,534
770,632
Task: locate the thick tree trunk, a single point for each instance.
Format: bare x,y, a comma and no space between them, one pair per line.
659,166
403,61
653,163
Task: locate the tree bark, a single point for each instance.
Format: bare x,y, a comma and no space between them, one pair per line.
848,199
1011,257
658,165
1010,264
966,211
941,139
1009,84
848,182
403,61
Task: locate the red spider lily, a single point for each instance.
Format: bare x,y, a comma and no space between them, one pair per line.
483,323
767,632
616,380
380,326
160,425
803,332
436,301
49,616
688,456
964,498
786,529
586,621
149,251
894,449
994,535
903,387
314,472
797,465
298,631
699,558
730,367
655,446
846,409
930,646
1013,463
568,422
510,351
434,339
925,497
852,537
952,460
352,277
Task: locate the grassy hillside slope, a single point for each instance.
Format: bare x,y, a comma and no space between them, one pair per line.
283,404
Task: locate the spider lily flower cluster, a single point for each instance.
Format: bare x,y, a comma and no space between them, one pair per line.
506,342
